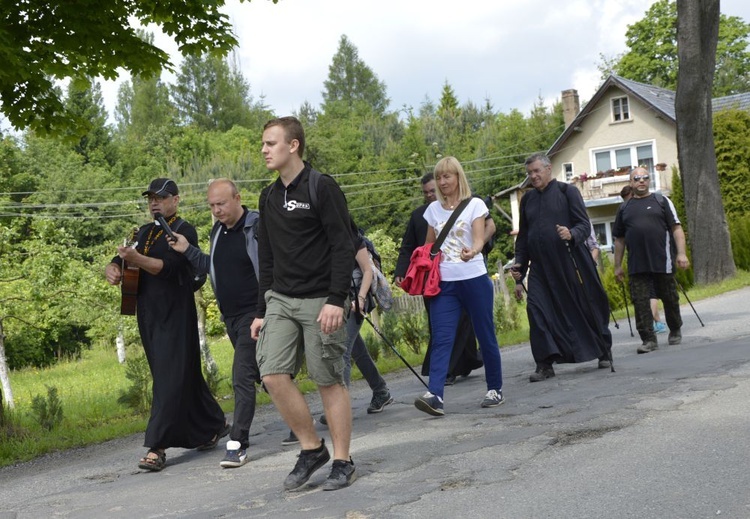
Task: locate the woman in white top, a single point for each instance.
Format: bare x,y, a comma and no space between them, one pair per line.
464,284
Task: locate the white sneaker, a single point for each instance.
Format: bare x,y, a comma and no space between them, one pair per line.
236,456
493,398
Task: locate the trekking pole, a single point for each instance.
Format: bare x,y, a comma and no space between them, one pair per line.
389,343
688,300
627,310
607,351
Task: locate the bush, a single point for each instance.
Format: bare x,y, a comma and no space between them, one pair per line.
413,328
48,412
42,347
138,395
372,343
739,229
507,317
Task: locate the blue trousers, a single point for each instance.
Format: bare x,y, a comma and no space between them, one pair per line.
475,297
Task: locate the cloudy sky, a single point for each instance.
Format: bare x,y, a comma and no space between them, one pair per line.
510,52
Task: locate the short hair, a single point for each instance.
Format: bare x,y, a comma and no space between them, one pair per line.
427,177
292,130
452,165
538,156
626,191
230,183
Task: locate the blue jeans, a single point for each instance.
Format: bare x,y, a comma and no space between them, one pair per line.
475,296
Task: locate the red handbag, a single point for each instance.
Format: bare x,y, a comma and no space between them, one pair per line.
423,275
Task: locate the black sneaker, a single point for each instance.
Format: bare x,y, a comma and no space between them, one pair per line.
379,401
307,463
542,373
430,404
342,475
290,440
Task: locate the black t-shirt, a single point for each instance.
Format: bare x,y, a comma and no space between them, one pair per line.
234,275
646,226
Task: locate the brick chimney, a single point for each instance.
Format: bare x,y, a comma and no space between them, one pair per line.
571,105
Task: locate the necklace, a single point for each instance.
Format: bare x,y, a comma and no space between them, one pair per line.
152,239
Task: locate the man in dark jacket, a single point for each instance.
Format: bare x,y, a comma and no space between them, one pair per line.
567,307
232,267
306,255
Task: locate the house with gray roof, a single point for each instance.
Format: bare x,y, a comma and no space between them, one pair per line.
624,125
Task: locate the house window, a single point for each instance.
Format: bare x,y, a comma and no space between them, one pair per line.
568,171
645,156
603,232
620,109
630,156
603,161
600,230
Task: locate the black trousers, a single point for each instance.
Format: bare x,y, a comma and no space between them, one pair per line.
245,375
642,289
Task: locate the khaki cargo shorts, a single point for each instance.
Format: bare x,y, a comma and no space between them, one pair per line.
291,335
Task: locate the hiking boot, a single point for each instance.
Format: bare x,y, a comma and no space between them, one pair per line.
659,327
542,373
235,457
379,401
493,398
675,337
307,462
290,440
342,475
647,346
430,404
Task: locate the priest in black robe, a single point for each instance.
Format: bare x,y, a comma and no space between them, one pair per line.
566,304
183,411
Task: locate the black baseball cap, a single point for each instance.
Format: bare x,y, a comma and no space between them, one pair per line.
161,187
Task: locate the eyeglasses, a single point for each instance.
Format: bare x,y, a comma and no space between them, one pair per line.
157,198
638,178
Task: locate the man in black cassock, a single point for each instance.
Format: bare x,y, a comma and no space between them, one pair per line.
465,356
568,314
183,411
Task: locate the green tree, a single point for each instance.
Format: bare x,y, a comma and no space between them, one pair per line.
449,106
44,42
652,57
84,101
214,96
351,82
143,102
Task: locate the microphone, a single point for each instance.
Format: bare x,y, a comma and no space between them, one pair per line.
164,225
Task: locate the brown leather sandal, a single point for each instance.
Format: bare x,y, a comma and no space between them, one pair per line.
153,464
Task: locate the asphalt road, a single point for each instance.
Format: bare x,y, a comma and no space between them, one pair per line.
666,436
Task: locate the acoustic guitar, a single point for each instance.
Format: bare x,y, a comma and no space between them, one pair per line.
129,280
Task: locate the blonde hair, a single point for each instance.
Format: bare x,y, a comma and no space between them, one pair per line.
452,165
